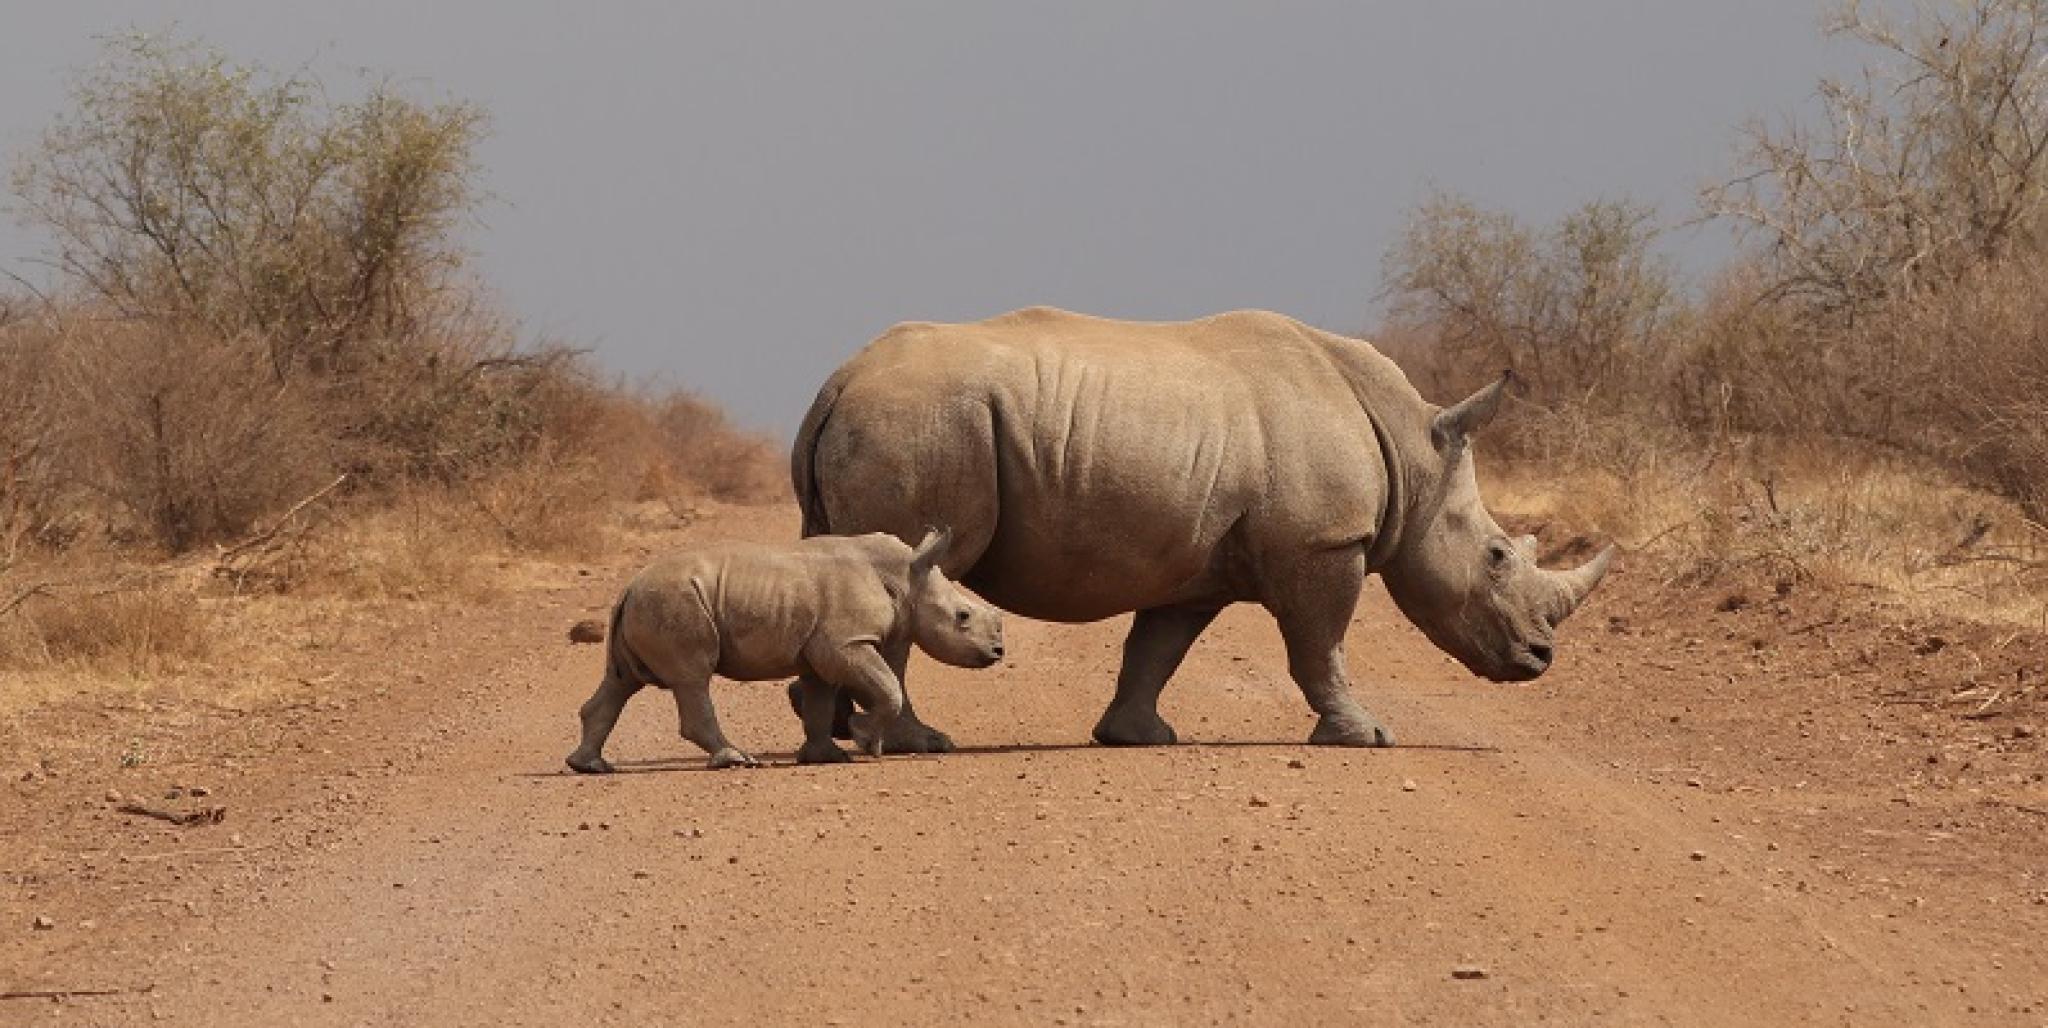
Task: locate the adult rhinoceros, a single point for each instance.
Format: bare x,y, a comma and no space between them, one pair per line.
1090,467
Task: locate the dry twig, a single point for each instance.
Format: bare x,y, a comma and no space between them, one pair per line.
120,990
38,589
202,816
231,552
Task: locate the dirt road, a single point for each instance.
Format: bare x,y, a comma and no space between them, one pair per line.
1638,838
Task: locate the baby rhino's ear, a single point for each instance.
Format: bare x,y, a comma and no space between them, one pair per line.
930,551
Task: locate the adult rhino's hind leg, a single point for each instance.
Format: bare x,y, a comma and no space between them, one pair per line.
898,468
1314,608
599,714
1158,641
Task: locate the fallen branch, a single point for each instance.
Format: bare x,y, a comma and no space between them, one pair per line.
1661,533
38,589
68,993
202,816
225,555
1983,710
1803,629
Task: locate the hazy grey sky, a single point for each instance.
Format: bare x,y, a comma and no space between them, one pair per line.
737,196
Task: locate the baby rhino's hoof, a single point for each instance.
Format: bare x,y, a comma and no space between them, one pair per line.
583,765
731,757
862,727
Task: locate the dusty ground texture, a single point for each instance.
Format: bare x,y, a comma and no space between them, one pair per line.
1722,807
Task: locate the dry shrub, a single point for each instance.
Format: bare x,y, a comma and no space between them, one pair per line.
34,507
553,502
698,444
192,438
1977,393
265,369
128,630
426,543
1792,515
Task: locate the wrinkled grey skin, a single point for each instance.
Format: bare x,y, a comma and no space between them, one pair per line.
825,608
1091,467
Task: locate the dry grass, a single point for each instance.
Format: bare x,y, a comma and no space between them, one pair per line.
1812,515
104,606
62,637
122,630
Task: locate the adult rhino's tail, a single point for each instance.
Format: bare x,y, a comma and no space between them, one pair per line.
803,455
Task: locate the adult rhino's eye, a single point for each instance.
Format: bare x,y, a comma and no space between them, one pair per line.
1497,554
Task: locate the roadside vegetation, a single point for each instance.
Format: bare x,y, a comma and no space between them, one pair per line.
266,382
265,369
1859,398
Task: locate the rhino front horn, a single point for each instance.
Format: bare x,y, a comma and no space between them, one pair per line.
1579,582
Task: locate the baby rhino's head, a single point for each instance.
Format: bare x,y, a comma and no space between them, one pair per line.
946,621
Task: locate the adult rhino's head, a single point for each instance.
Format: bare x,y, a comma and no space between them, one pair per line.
1476,593
953,625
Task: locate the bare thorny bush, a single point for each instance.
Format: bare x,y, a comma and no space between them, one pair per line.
260,293
1865,388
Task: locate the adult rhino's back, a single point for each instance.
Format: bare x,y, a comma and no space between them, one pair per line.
1091,467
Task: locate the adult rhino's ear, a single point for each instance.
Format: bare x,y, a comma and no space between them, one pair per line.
1455,425
930,550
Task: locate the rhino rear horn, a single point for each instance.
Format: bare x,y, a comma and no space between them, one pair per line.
930,550
1461,421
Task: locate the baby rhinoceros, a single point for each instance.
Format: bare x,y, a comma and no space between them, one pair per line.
824,607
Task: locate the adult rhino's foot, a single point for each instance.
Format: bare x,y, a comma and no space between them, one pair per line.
1134,728
909,735
732,756
1360,729
588,764
825,752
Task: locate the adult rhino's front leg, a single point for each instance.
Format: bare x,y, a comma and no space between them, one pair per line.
1313,606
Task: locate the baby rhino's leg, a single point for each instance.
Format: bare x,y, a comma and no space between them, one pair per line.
599,714
700,722
860,670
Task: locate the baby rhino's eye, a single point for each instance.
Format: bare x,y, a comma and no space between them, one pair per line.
960,617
